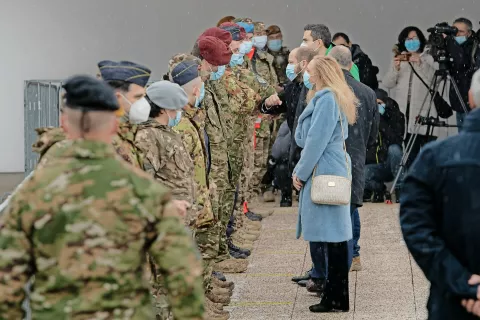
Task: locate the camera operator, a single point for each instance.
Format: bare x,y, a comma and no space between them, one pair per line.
460,49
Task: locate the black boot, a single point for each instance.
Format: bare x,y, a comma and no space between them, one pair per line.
397,195
253,216
378,197
286,201
367,195
237,255
306,276
220,276
233,247
328,306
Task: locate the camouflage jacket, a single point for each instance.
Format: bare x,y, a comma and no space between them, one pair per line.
82,225
123,142
166,159
262,65
190,133
280,62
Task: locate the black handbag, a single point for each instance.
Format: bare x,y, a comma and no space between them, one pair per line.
443,108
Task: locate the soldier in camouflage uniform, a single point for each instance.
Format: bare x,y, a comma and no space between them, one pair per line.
279,52
83,223
129,81
183,70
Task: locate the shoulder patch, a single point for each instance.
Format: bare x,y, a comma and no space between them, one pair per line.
261,80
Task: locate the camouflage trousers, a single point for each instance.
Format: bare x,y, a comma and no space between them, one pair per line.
226,208
207,239
261,153
245,189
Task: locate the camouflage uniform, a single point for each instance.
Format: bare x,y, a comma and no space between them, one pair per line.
205,229
83,225
280,62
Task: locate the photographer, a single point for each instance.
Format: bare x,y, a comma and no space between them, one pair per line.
460,49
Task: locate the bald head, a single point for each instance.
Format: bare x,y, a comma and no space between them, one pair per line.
305,54
343,56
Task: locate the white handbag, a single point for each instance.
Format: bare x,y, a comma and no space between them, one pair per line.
332,190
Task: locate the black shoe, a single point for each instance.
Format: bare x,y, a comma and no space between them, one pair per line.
378,197
230,230
237,255
397,195
286,202
367,196
233,247
316,285
220,276
306,276
253,216
327,306
302,283
388,197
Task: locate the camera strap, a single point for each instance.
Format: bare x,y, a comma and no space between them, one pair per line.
420,78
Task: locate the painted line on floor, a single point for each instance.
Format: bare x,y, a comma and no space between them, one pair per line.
270,275
259,251
261,304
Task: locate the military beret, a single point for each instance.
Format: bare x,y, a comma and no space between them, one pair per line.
184,72
259,27
124,71
273,29
237,32
249,28
225,19
167,95
89,94
219,33
381,94
214,50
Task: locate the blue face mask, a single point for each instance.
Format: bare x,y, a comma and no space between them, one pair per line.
306,81
290,71
175,121
381,108
461,40
274,45
217,75
260,42
246,47
236,60
412,45
200,98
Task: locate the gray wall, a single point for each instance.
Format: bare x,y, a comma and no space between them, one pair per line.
52,39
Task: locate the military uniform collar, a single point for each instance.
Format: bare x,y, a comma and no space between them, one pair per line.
152,123
85,149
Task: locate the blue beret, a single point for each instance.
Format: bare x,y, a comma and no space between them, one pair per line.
184,72
249,27
124,71
89,94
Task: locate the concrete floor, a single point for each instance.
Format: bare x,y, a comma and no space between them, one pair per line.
391,286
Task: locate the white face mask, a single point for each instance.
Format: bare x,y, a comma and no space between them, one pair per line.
139,111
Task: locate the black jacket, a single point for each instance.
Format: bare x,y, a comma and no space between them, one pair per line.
462,69
440,218
391,131
368,72
361,135
294,102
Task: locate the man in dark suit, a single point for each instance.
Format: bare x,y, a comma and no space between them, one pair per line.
360,136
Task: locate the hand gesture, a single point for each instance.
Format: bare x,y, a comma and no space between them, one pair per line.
396,62
273,100
473,306
297,183
415,57
181,206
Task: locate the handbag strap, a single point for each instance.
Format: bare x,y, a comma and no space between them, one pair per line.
420,78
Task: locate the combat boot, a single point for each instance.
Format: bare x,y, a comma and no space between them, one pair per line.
233,247
223,284
215,310
249,230
239,242
243,220
245,235
237,255
211,315
263,212
253,216
231,266
268,196
222,299
218,275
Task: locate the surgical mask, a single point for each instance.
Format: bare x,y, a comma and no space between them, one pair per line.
412,45
381,108
260,42
246,47
236,60
217,75
303,44
200,97
290,71
175,121
139,111
306,81
461,40
274,45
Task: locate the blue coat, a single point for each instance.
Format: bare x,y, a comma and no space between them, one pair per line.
320,135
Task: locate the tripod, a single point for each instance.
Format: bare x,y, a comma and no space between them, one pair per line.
441,75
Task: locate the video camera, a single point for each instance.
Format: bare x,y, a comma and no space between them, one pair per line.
438,48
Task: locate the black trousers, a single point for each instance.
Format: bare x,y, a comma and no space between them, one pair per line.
336,289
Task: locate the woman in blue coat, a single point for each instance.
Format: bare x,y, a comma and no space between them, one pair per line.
321,133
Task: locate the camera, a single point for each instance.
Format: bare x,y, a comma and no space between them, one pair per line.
438,48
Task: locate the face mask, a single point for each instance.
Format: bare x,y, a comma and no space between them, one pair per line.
260,42
217,75
381,108
175,121
412,45
461,40
246,47
274,45
304,44
200,98
291,75
139,111
306,81
236,60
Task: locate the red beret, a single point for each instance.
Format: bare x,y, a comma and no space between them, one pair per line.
214,50
238,32
221,34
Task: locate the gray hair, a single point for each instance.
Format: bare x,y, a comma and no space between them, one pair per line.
305,53
320,32
343,56
475,87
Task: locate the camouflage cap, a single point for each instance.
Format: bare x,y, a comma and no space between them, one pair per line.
258,27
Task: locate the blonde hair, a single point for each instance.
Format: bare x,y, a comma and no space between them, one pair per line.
330,76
